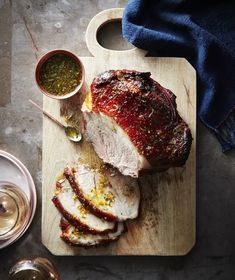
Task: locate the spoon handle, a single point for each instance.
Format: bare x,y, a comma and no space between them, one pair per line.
47,114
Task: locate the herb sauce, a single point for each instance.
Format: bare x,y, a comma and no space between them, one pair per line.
60,74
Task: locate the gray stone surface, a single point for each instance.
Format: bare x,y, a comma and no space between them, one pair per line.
29,28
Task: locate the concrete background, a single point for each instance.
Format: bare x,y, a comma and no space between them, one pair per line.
30,28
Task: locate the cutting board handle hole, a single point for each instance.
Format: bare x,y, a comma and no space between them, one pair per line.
109,36
101,45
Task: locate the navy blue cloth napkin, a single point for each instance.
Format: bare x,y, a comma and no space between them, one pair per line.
204,33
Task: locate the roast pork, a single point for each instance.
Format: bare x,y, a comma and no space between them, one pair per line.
76,237
133,123
71,208
106,193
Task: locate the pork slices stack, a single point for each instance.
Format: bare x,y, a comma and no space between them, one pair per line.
95,204
74,236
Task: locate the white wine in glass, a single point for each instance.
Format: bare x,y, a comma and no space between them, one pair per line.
35,268
14,210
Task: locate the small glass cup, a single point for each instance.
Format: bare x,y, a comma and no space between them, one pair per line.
35,268
14,210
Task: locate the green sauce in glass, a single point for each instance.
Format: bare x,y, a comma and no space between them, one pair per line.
60,74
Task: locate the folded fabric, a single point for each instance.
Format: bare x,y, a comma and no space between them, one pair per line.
204,33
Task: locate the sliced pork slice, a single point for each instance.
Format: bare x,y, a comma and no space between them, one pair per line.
71,208
76,237
107,193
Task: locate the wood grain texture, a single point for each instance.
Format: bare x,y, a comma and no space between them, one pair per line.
166,224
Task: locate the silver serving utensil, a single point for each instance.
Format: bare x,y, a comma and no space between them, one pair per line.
71,132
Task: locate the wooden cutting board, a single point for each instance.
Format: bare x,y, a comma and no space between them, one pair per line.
166,224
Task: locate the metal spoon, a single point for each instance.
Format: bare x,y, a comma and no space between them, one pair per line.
71,132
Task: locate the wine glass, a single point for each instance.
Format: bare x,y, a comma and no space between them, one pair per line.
35,268
14,210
